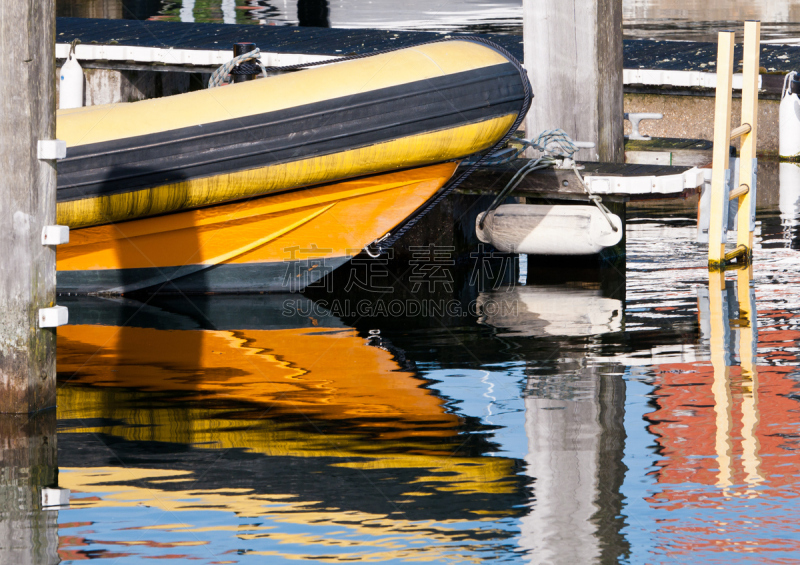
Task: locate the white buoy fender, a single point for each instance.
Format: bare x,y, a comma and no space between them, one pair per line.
70,93
789,120
537,229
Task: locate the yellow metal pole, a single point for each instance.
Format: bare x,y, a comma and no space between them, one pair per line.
722,142
752,47
721,386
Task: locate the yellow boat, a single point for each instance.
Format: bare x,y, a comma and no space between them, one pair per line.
268,185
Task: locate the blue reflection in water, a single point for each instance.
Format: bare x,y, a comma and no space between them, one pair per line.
544,435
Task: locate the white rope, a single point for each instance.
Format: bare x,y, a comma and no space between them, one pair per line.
787,85
555,144
597,200
552,143
223,74
72,47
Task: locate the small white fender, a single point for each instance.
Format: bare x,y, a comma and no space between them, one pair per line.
537,229
53,317
55,497
70,90
789,121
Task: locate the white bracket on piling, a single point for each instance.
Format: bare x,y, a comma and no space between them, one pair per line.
55,235
53,498
49,149
53,317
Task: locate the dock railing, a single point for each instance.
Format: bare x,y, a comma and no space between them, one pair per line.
722,193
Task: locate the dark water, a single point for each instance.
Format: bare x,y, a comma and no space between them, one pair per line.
639,414
663,19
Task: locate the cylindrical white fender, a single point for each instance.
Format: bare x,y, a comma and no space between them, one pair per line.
70,93
789,200
537,229
789,123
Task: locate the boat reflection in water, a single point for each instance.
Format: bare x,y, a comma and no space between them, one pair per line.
232,429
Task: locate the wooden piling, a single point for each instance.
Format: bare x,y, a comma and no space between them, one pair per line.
27,204
573,54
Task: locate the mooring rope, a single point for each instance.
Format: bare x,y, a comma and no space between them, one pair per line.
388,240
596,199
543,162
223,73
787,84
557,148
553,142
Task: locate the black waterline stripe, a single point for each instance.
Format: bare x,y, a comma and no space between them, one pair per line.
301,144
226,125
441,108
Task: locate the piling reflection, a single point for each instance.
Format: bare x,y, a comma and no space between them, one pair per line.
576,441
28,533
110,9
304,438
574,410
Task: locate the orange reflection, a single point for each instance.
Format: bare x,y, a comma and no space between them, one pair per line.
278,395
312,372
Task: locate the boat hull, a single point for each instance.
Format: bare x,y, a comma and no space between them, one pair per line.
275,243
409,108
268,185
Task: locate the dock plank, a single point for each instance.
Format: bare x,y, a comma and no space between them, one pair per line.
563,184
701,56
276,39
637,53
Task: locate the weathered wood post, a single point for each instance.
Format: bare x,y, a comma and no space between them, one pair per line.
573,54
27,204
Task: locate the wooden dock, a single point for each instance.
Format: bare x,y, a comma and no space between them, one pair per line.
133,60
677,66
641,182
